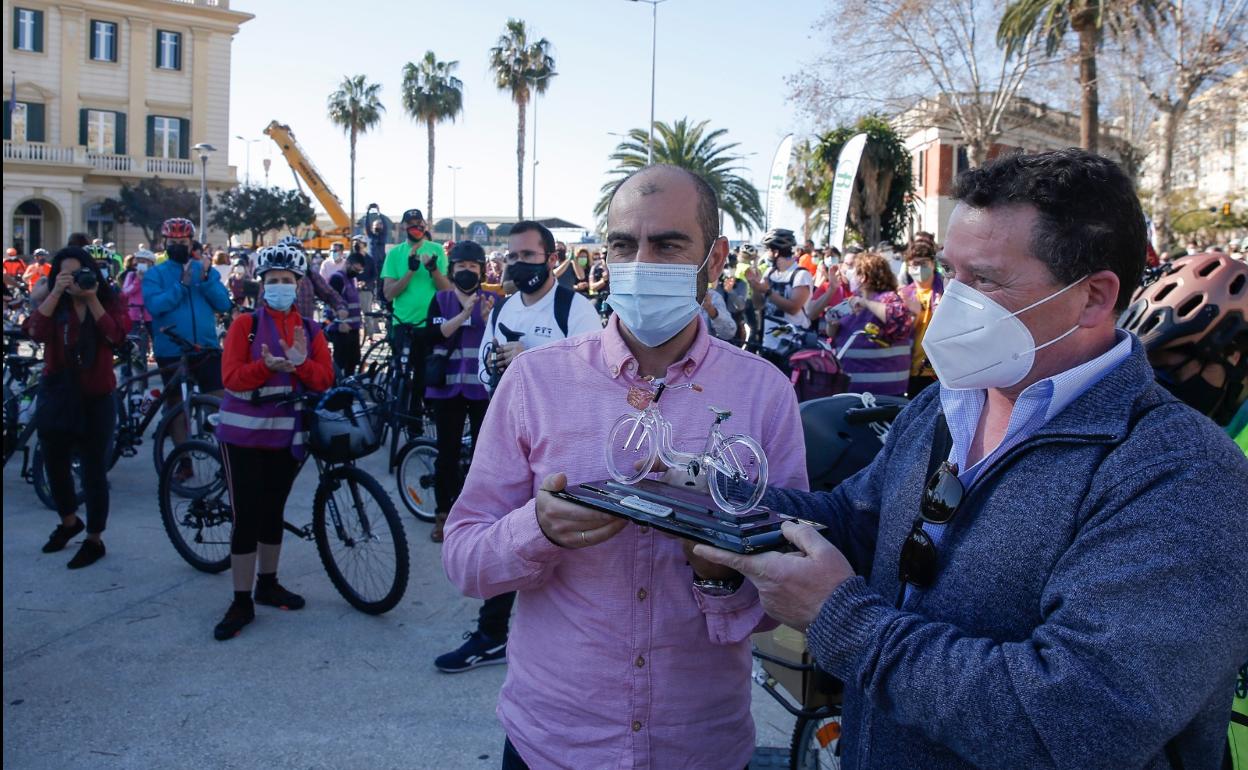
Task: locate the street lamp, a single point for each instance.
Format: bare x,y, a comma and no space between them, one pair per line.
267,162
654,37
204,151
533,195
454,204
248,142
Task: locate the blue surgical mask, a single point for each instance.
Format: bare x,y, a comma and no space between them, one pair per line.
655,301
279,296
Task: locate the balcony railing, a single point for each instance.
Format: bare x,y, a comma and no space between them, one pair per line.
39,152
170,167
110,162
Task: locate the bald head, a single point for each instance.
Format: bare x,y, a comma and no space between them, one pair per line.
673,183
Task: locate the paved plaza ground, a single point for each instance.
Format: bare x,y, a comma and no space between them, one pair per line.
114,666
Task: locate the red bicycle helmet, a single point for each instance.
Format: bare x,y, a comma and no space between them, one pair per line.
178,227
1201,301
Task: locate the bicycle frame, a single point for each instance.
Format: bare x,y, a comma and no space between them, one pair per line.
710,456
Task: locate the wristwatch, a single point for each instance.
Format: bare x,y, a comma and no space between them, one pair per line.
718,588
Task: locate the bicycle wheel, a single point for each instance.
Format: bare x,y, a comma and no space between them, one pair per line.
360,539
195,508
816,744
414,477
738,486
43,489
203,412
631,449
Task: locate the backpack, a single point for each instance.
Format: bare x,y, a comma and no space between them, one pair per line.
563,307
815,374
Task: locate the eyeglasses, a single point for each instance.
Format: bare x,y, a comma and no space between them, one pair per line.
512,257
939,504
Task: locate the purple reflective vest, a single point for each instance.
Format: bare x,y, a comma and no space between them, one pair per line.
350,294
872,367
462,377
268,425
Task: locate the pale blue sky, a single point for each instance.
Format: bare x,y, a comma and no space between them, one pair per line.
722,61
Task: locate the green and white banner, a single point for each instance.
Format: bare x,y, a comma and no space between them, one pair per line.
843,188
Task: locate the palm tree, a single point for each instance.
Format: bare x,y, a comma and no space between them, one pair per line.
432,94
809,186
1089,19
355,108
521,67
695,148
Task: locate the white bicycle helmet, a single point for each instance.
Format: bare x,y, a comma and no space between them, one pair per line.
747,250
291,241
145,254
281,257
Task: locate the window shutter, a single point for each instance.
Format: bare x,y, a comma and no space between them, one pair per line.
82,127
184,138
93,46
16,41
119,131
35,131
156,47
39,31
151,136
177,51
8,121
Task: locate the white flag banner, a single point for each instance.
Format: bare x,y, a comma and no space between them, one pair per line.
843,188
777,183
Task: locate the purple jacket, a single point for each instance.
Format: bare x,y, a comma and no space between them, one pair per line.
463,348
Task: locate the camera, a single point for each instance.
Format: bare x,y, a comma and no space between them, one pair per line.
85,278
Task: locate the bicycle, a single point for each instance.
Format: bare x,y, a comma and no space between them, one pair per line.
736,466
815,743
358,534
21,388
415,471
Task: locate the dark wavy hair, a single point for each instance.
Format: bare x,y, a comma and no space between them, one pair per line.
1090,217
105,291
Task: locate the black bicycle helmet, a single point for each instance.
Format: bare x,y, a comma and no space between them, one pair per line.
779,239
843,434
467,251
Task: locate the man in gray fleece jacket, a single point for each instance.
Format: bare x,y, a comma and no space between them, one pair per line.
1084,604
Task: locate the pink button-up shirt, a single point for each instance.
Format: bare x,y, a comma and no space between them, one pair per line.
614,660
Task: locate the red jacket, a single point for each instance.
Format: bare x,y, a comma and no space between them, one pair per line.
240,372
111,329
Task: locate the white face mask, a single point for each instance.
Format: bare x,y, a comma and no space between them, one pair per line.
974,343
141,267
655,301
279,296
855,283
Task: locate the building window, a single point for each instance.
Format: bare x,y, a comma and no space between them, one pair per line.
24,122
166,137
168,50
101,131
922,175
27,29
103,41
964,160
100,225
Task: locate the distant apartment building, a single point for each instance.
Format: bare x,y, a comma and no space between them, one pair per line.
1211,148
109,91
939,153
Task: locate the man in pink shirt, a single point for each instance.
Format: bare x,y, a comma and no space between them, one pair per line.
626,650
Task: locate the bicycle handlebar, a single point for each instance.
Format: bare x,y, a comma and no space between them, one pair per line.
182,342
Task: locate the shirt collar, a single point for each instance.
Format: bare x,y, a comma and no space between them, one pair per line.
618,359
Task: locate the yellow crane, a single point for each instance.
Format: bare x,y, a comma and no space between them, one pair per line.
314,238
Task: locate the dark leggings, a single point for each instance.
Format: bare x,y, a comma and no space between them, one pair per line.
92,447
259,482
346,350
494,618
450,414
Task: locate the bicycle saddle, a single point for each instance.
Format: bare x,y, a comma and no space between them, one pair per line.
720,414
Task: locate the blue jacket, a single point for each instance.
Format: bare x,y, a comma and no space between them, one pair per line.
1091,601
189,308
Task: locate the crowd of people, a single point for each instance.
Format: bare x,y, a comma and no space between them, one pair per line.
1041,566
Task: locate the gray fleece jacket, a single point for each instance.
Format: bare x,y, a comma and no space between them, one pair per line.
1091,602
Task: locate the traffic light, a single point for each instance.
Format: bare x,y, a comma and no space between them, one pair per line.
1226,209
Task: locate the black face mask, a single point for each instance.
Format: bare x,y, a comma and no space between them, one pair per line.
528,278
466,281
178,252
1195,391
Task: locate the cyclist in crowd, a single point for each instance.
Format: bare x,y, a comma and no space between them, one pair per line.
921,296
14,266
714,311
336,261
808,257
457,319
132,291
781,293
582,263
345,333
568,271
736,298
830,289
237,284
273,351
600,284
413,272
878,330
365,281
313,288
78,323
657,643
184,293
38,269
539,313
977,616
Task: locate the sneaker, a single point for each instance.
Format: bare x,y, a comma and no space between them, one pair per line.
479,650
276,596
61,536
236,617
90,552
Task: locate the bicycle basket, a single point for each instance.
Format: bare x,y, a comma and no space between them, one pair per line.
816,374
344,426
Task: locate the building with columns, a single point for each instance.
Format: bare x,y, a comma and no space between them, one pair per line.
109,91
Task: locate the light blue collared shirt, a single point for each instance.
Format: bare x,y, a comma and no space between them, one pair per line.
1039,402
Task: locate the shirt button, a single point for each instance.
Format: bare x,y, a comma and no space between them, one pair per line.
641,662
689,370
615,370
641,594
636,727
